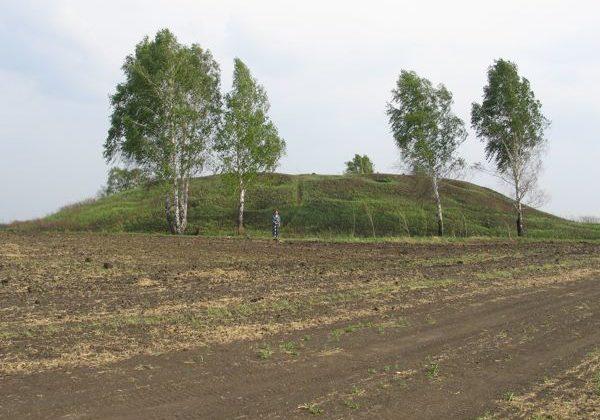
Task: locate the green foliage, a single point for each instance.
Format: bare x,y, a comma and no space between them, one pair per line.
248,142
432,370
168,108
360,165
265,352
511,123
424,126
510,119
509,396
312,408
165,115
426,130
351,404
317,206
122,179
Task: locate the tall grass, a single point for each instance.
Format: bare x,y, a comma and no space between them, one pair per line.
319,206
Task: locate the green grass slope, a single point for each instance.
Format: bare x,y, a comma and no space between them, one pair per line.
319,206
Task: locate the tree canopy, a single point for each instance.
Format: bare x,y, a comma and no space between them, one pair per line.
122,179
359,165
248,142
424,126
511,124
425,129
510,119
165,115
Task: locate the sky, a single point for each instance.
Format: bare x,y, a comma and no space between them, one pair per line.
328,68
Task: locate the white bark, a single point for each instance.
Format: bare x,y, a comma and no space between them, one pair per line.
522,174
519,208
241,208
184,205
176,205
438,202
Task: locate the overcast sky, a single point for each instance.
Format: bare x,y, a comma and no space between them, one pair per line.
328,67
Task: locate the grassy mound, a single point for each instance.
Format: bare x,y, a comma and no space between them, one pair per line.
319,206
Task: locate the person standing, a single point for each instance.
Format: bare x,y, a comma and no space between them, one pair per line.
276,222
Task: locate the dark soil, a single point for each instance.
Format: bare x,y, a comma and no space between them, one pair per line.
214,328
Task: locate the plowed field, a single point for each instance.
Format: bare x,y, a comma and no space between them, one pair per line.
144,326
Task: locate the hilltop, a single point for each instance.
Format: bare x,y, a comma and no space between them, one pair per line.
318,206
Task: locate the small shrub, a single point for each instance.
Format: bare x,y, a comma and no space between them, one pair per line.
312,408
265,352
351,404
432,370
509,396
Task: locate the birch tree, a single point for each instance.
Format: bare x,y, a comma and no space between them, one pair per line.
248,142
511,124
165,116
426,131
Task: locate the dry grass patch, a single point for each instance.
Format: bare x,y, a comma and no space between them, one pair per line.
575,394
146,282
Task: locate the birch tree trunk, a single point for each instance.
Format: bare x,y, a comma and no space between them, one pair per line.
176,207
518,205
520,230
176,204
438,202
183,205
241,208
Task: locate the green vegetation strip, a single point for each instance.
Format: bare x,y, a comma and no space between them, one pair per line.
340,208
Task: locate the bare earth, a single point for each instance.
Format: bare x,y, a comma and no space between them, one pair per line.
137,326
